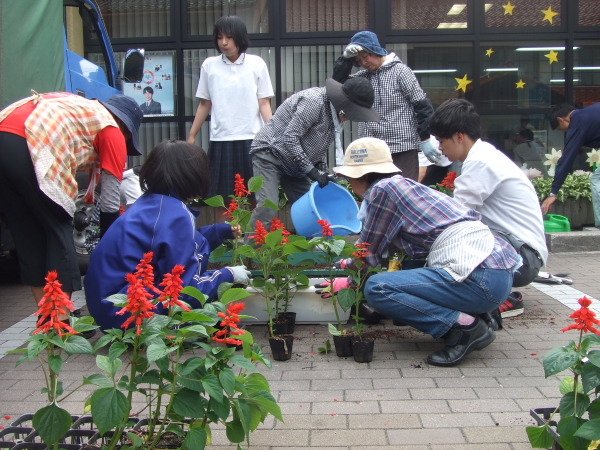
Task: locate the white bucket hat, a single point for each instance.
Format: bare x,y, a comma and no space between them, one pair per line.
366,155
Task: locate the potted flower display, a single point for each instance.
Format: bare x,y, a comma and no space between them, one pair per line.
575,422
186,392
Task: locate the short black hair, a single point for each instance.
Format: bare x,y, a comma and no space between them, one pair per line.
176,168
232,26
148,89
455,115
561,111
526,133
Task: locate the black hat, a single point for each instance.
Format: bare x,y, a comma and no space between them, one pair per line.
354,98
127,110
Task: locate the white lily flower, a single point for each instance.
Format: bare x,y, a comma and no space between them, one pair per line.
551,159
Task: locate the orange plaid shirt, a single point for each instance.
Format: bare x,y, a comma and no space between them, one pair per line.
60,133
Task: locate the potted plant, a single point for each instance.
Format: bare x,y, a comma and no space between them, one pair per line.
575,422
358,271
332,248
183,391
271,250
573,200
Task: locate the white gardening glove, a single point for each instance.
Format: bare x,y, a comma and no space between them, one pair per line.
352,50
432,153
241,275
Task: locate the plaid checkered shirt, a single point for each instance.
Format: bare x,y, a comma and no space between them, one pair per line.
299,133
396,92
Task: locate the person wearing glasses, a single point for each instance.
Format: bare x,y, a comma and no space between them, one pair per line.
235,89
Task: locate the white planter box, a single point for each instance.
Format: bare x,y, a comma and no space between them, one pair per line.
308,306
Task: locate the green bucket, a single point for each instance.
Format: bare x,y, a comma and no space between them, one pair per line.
553,223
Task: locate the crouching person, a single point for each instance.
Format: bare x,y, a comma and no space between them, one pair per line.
469,271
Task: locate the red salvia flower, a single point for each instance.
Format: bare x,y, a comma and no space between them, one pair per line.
361,250
53,304
325,228
138,303
230,209
239,188
277,224
584,318
173,284
145,272
229,325
448,181
260,233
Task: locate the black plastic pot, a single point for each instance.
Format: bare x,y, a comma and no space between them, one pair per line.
281,347
280,326
343,345
290,319
362,349
541,416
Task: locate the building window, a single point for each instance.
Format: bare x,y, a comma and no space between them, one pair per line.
530,13
202,15
521,74
142,18
586,73
330,15
589,13
428,14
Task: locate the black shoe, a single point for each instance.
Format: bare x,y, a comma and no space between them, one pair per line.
368,314
460,341
493,319
513,305
399,323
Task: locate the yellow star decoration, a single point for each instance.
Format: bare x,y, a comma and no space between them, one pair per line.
551,160
548,14
489,52
552,56
462,83
593,157
520,84
508,8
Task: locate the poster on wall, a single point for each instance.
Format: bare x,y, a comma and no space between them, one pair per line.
155,94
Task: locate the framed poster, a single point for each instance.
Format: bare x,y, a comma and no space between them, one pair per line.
155,94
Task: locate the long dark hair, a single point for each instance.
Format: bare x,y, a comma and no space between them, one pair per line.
176,168
232,26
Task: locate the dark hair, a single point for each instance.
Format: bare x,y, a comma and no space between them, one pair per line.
232,26
148,89
526,133
455,115
559,111
176,168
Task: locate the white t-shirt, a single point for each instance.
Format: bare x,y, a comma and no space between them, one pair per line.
493,185
234,90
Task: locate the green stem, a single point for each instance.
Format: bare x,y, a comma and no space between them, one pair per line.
171,399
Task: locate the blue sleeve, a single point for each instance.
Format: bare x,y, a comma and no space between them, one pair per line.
575,139
216,234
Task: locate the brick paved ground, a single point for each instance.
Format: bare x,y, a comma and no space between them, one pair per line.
397,401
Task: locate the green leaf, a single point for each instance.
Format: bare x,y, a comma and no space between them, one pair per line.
326,347
589,430
52,423
235,431
227,379
215,201
99,380
136,441
268,403
333,330
78,345
594,409
558,359
256,382
188,403
346,298
194,293
568,404
55,363
195,440
221,410
117,299
108,365
242,362
255,183
566,428
539,437
234,294
269,204
157,351
109,408
590,377
212,387
116,349
594,356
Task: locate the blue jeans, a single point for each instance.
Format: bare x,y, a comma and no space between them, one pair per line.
430,300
